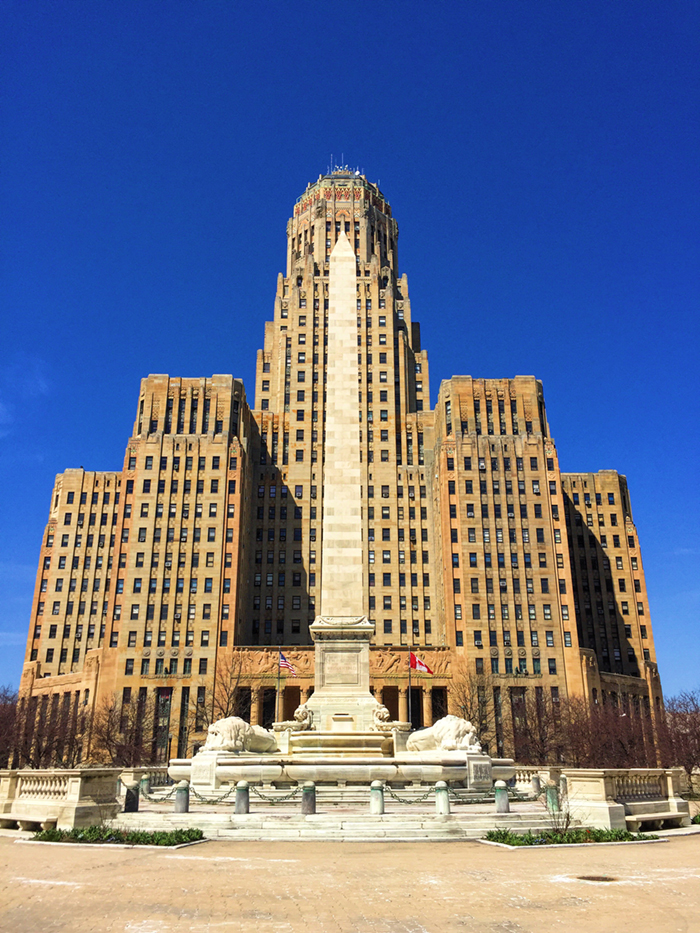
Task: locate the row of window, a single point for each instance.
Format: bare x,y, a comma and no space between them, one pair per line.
519,638
65,540
494,464
296,602
387,603
520,666
160,667
517,608
500,538
387,577
598,498
401,555
189,463
602,541
474,585
509,511
496,487
403,626
501,559
148,487
94,498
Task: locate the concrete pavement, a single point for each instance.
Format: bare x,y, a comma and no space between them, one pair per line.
230,887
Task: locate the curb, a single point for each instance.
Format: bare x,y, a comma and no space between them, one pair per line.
110,845
571,845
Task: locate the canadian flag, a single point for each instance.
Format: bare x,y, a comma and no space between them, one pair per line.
419,665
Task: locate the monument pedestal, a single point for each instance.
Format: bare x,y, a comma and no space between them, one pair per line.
341,701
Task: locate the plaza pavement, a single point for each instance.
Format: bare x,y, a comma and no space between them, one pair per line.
327,887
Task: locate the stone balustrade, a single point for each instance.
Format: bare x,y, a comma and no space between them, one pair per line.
619,798
64,798
524,775
156,775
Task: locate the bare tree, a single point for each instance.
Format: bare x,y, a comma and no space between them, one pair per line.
538,726
680,744
234,685
122,733
8,722
470,697
49,731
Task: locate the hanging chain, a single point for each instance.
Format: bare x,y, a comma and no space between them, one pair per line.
408,799
153,799
213,800
274,800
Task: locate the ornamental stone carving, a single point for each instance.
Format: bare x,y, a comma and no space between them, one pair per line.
449,734
236,735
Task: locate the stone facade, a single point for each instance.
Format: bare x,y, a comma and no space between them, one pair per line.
181,575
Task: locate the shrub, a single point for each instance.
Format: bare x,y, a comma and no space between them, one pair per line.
134,837
550,837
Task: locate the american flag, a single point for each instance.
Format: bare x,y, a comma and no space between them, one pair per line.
286,665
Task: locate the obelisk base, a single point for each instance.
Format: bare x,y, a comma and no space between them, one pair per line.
341,701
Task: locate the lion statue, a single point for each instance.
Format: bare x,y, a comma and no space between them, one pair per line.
236,735
448,734
303,717
381,717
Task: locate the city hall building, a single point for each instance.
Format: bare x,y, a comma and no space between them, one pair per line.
179,577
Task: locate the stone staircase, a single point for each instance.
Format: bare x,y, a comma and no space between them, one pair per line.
340,824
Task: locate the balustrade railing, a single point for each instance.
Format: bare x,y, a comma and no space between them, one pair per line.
42,786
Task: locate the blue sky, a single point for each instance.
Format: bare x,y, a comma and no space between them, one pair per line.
541,159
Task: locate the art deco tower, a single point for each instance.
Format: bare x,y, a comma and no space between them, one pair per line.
392,417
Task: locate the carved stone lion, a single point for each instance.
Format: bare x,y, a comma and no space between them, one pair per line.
237,735
449,734
381,717
303,717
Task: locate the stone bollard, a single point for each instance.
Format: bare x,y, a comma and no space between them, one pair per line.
536,785
146,784
131,798
501,794
182,798
552,797
308,798
242,797
442,799
376,798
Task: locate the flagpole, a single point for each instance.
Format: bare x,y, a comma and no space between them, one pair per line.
409,686
279,675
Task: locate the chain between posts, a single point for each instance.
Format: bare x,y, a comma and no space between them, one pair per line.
274,800
407,799
153,799
210,800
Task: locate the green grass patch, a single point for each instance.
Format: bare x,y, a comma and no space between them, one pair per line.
550,837
133,837
696,819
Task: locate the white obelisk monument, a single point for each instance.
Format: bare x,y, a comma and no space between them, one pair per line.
341,701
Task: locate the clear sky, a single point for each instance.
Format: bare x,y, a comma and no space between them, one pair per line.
541,158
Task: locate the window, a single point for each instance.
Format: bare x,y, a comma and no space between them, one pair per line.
552,664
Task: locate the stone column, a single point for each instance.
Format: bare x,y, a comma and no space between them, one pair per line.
403,704
427,693
256,707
